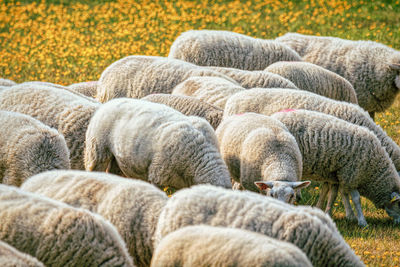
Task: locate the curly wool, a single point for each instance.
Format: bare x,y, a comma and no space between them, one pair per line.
11,257
269,101
156,143
57,234
229,49
212,90
190,106
365,64
256,147
138,76
61,109
308,228
132,206
315,79
6,82
85,88
203,245
28,147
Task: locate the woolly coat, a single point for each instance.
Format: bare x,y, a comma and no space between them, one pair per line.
57,234
61,109
229,49
256,147
28,147
10,257
132,206
85,88
315,79
6,82
308,228
270,101
156,143
203,245
138,76
339,152
365,64
190,106
212,90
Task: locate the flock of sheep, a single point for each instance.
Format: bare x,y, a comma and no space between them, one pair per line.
224,111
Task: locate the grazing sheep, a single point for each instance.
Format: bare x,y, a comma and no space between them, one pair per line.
10,257
372,68
156,143
190,106
203,245
6,82
229,49
269,101
61,109
261,154
252,79
213,90
85,88
338,152
132,206
315,79
58,234
138,76
28,147
308,228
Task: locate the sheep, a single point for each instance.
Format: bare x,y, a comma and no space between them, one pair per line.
308,228
313,78
156,143
344,154
229,49
252,79
213,90
255,146
61,109
189,106
372,68
10,257
203,245
138,76
269,101
58,234
132,206
6,82
85,88
28,147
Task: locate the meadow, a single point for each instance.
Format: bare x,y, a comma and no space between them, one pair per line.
67,42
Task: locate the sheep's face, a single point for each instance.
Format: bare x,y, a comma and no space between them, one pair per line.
393,207
282,190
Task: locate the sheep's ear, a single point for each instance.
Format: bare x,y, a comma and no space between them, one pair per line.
394,66
262,185
395,197
299,185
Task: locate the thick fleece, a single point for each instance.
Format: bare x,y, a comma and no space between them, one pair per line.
6,82
11,257
85,88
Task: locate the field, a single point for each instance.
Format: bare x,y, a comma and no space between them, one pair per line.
73,41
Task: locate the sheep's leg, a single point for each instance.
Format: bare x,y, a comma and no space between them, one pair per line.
332,197
347,206
322,195
355,196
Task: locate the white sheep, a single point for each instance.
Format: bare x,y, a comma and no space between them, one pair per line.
229,49
28,147
61,109
315,79
58,234
372,68
132,206
85,88
262,154
156,143
269,101
308,228
351,156
138,76
190,106
213,90
203,245
6,82
11,257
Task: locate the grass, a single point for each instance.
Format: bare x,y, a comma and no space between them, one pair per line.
72,41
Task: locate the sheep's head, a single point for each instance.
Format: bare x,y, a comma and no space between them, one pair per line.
282,190
393,207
